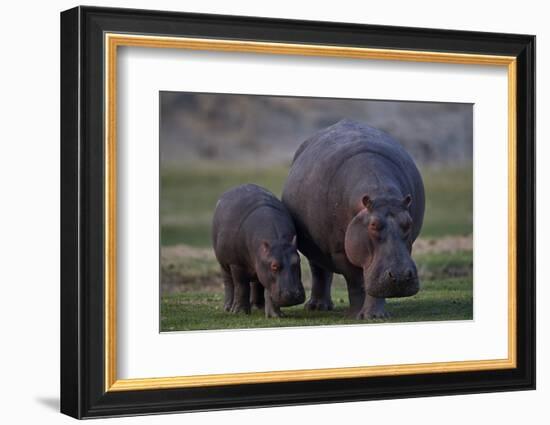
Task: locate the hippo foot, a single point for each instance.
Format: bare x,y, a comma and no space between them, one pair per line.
227,307
240,308
258,306
275,312
319,304
373,313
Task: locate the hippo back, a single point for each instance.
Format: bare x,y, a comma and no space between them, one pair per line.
232,211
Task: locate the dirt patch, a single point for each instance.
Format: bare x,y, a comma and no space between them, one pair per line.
185,268
181,251
447,244
421,246
173,283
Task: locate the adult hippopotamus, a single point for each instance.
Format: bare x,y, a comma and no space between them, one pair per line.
357,200
254,241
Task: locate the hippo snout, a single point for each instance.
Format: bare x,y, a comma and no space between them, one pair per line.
394,283
289,298
400,276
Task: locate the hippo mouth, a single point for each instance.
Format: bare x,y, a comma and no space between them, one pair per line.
289,299
394,289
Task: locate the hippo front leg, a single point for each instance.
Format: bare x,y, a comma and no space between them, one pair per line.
241,291
362,305
356,292
321,281
257,295
373,308
271,310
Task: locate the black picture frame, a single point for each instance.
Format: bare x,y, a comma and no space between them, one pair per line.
83,392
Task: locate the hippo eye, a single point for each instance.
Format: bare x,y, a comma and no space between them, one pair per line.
275,267
406,225
406,228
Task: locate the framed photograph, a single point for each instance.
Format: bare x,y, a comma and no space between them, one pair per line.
261,212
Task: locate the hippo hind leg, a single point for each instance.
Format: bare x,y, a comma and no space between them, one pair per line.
228,289
257,295
320,289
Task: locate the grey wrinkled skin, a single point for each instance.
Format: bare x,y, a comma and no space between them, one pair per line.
357,200
254,240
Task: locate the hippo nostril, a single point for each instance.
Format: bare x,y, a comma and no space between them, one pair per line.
409,274
391,275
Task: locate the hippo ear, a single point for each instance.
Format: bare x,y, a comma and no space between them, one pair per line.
356,241
407,201
366,201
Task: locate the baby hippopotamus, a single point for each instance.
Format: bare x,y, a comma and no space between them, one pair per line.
255,243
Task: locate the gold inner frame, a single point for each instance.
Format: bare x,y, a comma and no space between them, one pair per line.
113,41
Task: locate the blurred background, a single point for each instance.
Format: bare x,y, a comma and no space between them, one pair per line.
268,129
212,142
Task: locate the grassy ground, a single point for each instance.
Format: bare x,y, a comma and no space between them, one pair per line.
446,294
189,195
450,299
191,283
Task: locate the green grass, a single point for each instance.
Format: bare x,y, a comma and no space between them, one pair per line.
448,299
449,201
189,195
200,306
443,265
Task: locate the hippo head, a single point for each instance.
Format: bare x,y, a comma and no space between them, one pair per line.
278,268
379,240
